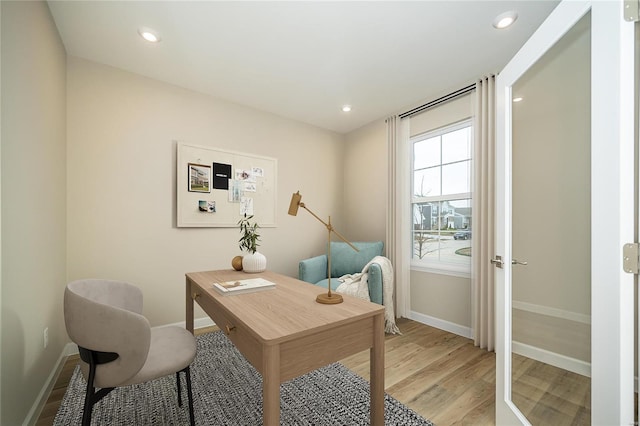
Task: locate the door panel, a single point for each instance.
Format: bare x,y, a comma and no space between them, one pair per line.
610,221
551,217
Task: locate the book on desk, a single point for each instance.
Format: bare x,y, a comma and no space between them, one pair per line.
243,286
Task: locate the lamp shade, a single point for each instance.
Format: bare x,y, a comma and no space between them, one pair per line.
295,203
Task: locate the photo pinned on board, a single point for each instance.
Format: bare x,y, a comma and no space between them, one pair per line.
207,206
199,178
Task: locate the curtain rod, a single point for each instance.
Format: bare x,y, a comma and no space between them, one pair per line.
438,101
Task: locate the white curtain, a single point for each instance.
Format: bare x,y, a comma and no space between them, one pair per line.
397,212
483,242
391,192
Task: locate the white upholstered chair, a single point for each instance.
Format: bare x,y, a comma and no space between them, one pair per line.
116,344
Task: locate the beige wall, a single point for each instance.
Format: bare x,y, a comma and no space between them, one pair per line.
33,203
442,115
551,196
442,298
365,183
121,183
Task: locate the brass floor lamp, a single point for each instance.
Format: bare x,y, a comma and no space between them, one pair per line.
328,298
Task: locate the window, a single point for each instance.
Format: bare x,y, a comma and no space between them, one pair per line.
441,199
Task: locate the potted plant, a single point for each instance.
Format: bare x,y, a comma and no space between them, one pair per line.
249,241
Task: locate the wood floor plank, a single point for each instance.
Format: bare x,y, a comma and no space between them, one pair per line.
470,372
482,414
469,398
433,373
525,397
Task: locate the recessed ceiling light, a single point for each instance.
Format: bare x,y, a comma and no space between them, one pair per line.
518,99
346,108
149,35
505,19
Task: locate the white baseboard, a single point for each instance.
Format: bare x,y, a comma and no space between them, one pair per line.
69,349
451,327
561,361
72,349
552,312
197,323
557,360
41,400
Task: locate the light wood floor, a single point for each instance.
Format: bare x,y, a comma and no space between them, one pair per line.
548,395
440,375
446,379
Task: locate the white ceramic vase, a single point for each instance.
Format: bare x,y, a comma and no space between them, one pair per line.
254,262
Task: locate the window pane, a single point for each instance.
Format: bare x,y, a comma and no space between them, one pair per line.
425,216
447,236
425,230
456,178
456,145
459,214
426,183
426,245
441,230
426,153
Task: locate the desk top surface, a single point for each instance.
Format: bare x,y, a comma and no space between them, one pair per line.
286,312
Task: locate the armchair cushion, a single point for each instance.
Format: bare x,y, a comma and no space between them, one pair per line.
345,260
314,269
172,349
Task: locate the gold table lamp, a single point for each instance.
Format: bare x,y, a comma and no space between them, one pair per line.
328,298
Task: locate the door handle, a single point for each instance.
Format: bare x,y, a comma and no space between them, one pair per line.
497,261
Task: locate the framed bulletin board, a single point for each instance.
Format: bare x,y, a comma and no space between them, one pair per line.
215,187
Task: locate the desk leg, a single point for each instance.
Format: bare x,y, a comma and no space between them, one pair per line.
271,385
376,365
189,307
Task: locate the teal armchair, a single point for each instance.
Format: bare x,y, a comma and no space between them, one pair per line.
345,260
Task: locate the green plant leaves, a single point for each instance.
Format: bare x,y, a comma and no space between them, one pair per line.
249,239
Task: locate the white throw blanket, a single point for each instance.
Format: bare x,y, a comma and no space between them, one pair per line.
358,285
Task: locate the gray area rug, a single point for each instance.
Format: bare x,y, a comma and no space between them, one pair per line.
227,390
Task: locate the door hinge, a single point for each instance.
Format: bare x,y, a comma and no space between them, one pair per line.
630,258
631,10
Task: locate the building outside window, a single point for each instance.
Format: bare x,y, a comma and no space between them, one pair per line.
441,199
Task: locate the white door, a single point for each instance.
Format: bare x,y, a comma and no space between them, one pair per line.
612,207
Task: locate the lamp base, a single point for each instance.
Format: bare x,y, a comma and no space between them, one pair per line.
324,298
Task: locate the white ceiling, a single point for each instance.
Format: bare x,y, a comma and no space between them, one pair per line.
304,60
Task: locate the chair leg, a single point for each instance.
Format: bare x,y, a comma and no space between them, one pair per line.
89,395
190,395
179,393
88,405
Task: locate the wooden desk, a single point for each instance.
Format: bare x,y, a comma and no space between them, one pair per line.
284,332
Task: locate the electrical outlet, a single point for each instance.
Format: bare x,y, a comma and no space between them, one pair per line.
46,337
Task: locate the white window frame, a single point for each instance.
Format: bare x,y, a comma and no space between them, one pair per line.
427,265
